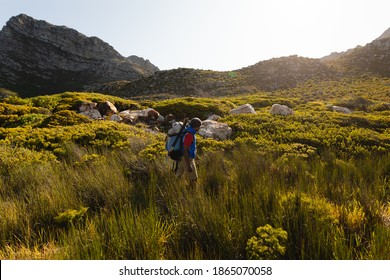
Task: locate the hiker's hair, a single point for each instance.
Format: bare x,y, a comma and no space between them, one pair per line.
195,122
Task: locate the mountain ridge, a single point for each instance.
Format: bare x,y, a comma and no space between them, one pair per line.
37,58
373,58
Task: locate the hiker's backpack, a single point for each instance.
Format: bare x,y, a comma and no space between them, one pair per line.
174,144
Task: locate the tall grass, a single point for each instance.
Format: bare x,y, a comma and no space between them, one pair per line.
331,208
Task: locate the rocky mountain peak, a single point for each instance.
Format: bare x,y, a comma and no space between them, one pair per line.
59,36
37,57
385,35
145,63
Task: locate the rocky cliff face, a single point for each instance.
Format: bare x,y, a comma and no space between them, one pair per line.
40,58
144,63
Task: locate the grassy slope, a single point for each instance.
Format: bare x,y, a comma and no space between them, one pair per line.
102,190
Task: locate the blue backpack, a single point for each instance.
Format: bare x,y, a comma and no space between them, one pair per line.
174,143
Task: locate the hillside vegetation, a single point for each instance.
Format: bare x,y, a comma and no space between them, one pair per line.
316,183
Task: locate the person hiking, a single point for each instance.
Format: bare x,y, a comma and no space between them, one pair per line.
187,163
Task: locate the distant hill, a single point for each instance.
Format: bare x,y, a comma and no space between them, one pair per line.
180,82
37,57
269,75
372,58
287,72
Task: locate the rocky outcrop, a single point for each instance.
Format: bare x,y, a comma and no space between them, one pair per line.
243,109
144,63
90,110
97,111
339,109
215,130
149,116
107,108
281,110
37,57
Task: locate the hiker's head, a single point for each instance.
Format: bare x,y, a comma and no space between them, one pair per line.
195,123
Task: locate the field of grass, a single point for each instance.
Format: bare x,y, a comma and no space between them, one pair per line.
314,185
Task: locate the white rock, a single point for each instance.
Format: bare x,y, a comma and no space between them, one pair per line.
92,114
146,115
215,130
87,106
243,109
339,109
115,118
282,110
214,117
107,108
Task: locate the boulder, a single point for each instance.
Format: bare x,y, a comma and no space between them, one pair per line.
214,117
88,109
281,110
215,130
87,106
107,108
115,118
339,109
243,109
92,114
148,115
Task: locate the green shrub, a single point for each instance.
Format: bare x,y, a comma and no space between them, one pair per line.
70,216
305,216
5,93
65,118
268,244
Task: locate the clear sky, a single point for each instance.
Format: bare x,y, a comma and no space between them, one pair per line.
215,34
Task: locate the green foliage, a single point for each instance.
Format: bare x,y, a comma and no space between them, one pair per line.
70,216
14,157
64,118
93,134
16,100
5,93
73,100
268,244
320,176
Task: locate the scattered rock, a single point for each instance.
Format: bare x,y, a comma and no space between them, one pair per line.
339,109
92,114
115,118
215,130
214,117
107,108
243,109
87,106
149,116
281,110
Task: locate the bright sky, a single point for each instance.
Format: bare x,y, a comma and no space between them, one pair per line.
215,34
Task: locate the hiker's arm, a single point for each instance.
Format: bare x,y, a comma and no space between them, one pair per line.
187,158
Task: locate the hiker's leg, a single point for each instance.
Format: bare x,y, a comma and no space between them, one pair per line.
193,176
181,168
